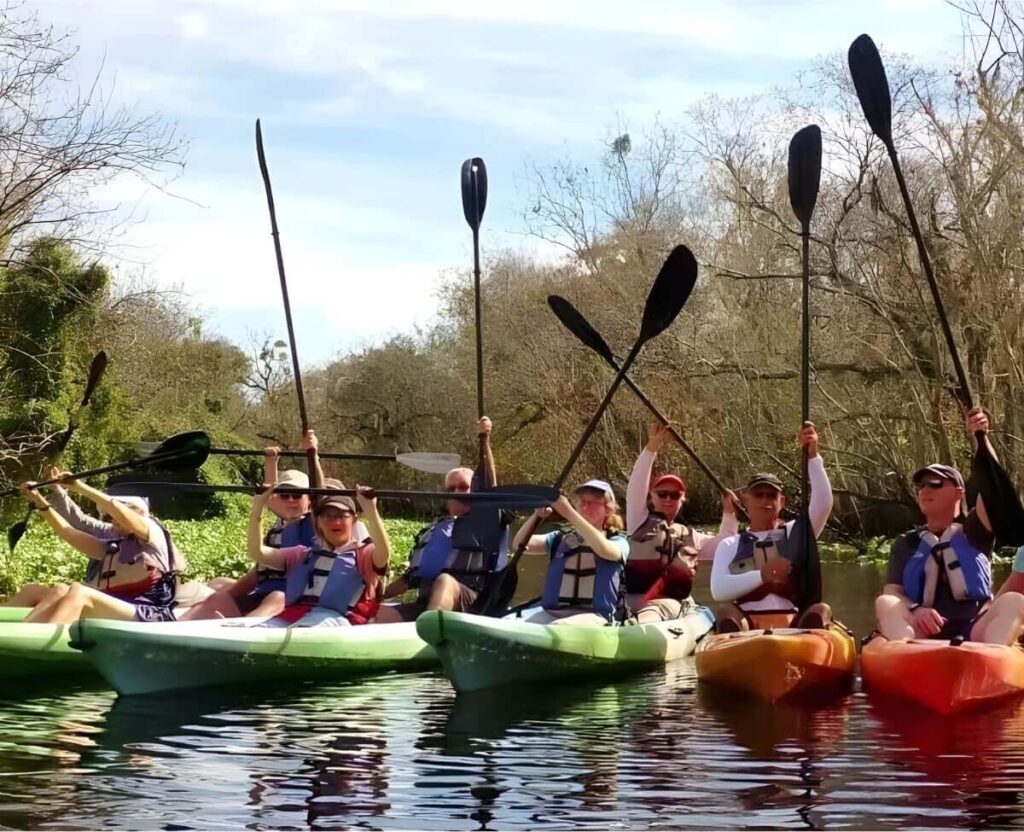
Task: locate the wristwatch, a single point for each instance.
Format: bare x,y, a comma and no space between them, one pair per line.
914,607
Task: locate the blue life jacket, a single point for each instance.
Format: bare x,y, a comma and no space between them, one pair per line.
326,579
967,569
269,579
576,577
431,551
470,548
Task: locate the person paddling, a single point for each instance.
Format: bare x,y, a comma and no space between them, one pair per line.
939,577
139,562
332,579
663,554
454,559
583,583
753,570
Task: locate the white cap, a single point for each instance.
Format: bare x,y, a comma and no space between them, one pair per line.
597,485
140,504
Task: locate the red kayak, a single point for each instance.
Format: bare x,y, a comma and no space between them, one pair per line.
944,677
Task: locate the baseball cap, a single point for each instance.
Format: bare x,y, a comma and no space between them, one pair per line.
764,478
945,472
597,485
670,479
293,478
338,500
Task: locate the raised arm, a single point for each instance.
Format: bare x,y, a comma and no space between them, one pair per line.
72,512
309,442
596,539
536,545
729,525
375,526
84,542
119,513
257,550
640,478
821,489
489,472
271,456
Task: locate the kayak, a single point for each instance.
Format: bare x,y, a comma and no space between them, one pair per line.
14,613
783,664
36,651
945,678
139,658
478,652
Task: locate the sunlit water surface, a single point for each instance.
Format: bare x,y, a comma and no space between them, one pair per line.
656,751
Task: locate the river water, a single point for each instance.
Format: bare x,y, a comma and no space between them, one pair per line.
657,751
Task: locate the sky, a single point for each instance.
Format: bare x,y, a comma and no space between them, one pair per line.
369,108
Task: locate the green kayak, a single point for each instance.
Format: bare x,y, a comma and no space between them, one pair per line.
13,613
139,658
478,652
37,651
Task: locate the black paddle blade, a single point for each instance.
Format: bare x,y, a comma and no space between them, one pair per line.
671,288
808,568
261,158
573,321
474,191
16,533
872,86
181,452
990,481
805,172
96,370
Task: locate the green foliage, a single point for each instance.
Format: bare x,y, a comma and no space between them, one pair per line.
213,547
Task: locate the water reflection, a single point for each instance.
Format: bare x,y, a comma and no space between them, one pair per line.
657,752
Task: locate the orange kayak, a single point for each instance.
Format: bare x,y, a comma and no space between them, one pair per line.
785,664
942,677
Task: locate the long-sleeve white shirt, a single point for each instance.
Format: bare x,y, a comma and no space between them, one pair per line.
726,586
637,513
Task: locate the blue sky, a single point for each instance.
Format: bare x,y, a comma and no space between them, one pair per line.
369,109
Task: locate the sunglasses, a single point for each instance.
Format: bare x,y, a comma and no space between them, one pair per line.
458,489
289,495
934,485
668,495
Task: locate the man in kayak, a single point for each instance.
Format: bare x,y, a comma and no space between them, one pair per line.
583,582
753,572
454,559
939,582
663,554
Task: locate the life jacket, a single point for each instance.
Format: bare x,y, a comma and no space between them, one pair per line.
968,570
345,581
576,577
658,549
132,569
751,554
269,579
476,547
427,561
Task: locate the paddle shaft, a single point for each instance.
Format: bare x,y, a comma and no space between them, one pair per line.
471,497
303,417
805,361
296,454
106,469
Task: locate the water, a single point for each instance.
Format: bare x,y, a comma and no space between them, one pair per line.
656,751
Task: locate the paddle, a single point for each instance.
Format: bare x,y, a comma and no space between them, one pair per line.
573,320
515,496
181,452
96,369
665,300
303,418
804,180
474,200
430,463
872,87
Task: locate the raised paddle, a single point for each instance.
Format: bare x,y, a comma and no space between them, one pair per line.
514,496
429,463
988,476
804,180
668,294
96,369
573,320
181,452
474,200
303,418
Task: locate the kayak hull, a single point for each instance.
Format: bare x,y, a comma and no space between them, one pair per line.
943,678
14,613
136,658
780,665
38,651
478,652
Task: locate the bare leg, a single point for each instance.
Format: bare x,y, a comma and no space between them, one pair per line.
83,601
444,593
220,584
1003,622
729,618
660,609
244,585
269,606
218,605
894,618
30,595
42,610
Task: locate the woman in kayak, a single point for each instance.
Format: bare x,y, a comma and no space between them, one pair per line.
663,554
751,574
939,581
332,579
583,581
137,576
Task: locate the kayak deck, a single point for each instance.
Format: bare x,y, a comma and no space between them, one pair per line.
35,651
943,678
478,652
138,658
780,665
